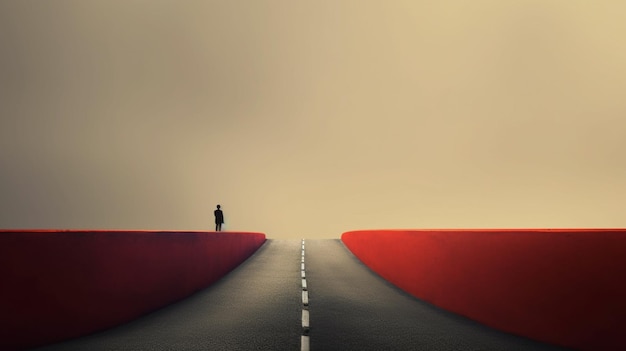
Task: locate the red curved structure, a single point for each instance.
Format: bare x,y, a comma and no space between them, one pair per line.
63,284
560,286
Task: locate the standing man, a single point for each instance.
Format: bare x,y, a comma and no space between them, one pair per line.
219,219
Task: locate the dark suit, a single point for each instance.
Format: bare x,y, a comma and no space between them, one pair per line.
219,219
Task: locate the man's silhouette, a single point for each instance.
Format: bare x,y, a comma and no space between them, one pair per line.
219,218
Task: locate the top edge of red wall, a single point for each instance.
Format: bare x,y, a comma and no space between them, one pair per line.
470,230
118,231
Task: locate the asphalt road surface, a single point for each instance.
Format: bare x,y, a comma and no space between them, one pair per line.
255,307
259,306
352,308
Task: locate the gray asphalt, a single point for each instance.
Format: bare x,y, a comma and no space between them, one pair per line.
258,307
255,307
352,308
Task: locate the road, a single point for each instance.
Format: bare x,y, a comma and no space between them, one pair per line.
352,308
259,306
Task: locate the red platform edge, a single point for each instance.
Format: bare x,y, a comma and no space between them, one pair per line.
561,286
61,284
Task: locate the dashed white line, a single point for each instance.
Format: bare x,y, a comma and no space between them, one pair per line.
304,343
305,319
304,338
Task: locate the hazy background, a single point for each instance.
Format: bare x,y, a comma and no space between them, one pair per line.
310,118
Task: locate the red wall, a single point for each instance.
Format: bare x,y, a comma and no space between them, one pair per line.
561,286
62,284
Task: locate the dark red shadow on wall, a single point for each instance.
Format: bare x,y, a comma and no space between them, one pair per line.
63,284
561,286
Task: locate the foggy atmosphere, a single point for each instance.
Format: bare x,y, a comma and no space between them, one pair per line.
308,119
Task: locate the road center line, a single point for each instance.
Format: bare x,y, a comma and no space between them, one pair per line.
305,320
304,342
304,338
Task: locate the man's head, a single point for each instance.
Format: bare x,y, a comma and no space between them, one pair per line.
218,207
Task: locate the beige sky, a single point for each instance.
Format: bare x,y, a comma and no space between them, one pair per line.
311,118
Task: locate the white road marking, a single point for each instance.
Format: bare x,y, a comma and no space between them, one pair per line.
305,319
304,343
304,338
